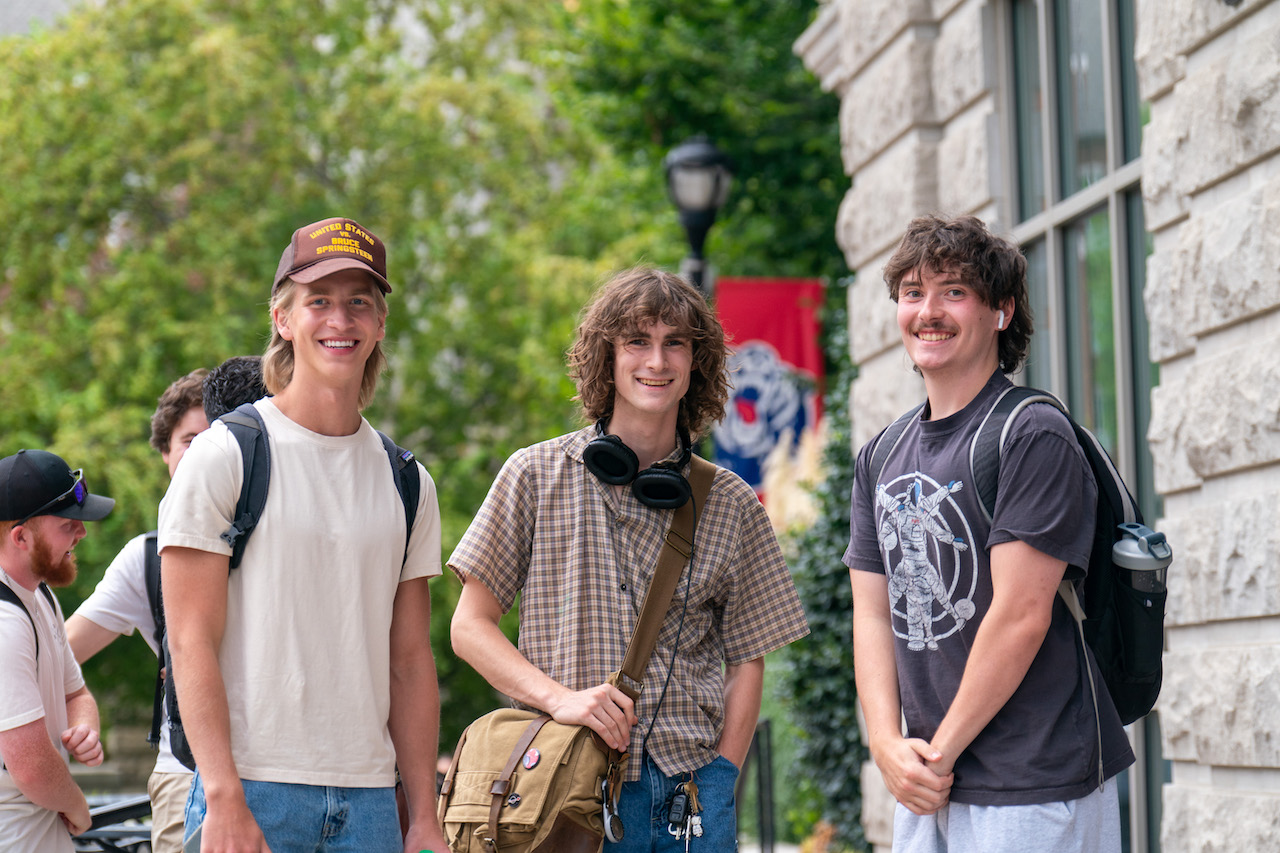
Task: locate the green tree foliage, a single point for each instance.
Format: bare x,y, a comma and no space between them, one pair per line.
158,154
653,74
820,675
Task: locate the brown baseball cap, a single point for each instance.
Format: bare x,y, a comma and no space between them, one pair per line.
324,247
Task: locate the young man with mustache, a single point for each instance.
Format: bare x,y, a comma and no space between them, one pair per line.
46,712
957,622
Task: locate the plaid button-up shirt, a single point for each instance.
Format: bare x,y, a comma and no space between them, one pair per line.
581,555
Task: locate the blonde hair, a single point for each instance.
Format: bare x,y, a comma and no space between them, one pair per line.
277,361
625,304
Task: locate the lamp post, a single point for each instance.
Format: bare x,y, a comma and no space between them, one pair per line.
698,179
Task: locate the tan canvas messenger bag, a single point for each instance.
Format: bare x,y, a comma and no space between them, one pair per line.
522,783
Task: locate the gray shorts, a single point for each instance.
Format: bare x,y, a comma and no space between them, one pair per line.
1090,824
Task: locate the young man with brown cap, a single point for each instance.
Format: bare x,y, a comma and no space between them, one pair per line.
46,712
120,604
306,676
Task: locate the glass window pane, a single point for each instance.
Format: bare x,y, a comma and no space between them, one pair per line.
1134,113
1028,98
1039,356
1146,374
1091,347
1082,124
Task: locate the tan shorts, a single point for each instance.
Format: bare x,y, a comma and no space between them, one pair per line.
168,792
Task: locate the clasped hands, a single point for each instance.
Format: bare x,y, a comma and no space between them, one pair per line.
917,774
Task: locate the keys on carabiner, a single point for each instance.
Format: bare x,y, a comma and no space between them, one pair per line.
677,811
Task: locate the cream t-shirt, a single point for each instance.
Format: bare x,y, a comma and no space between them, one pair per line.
305,654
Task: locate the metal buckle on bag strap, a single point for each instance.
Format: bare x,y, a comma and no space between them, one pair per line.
682,545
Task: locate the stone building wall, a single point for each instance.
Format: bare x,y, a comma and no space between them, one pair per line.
921,132
1211,187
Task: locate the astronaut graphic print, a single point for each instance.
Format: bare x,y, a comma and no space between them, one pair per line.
926,541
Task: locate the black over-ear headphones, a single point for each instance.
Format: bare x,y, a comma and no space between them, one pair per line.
660,486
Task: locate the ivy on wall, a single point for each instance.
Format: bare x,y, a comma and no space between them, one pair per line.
819,678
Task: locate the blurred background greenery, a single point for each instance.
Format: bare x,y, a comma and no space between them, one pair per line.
158,154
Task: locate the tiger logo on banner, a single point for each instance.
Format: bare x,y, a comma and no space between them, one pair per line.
776,370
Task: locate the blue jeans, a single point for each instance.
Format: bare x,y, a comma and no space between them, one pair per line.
314,818
643,809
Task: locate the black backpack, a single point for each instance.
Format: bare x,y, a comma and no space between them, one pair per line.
250,432
1123,626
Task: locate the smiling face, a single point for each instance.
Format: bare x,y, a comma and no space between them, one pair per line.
334,324
651,367
52,560
947,328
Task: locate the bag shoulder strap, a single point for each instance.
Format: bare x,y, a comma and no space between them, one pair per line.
677,552
250,432
48,594
151,579
408,485
988,442
11,597
888,440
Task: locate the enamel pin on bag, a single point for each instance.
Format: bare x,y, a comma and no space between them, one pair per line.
522,783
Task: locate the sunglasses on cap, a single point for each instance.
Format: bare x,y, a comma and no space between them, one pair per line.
75,495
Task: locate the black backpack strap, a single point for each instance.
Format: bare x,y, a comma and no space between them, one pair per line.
11,597
151,578
404,470
888,440
48,594
988,442
8,595
250,432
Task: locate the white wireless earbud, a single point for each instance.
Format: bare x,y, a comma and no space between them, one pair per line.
1000,322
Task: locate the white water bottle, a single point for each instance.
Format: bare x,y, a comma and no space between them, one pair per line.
1144,555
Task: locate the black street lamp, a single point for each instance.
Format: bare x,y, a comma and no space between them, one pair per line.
698,179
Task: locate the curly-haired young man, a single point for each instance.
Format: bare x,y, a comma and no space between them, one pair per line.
957,624
649,363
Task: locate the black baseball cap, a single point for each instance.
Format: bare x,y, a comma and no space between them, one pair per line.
37,482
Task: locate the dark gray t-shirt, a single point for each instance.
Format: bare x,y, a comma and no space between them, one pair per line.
919,525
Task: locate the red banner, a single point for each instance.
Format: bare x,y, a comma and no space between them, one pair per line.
776,370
